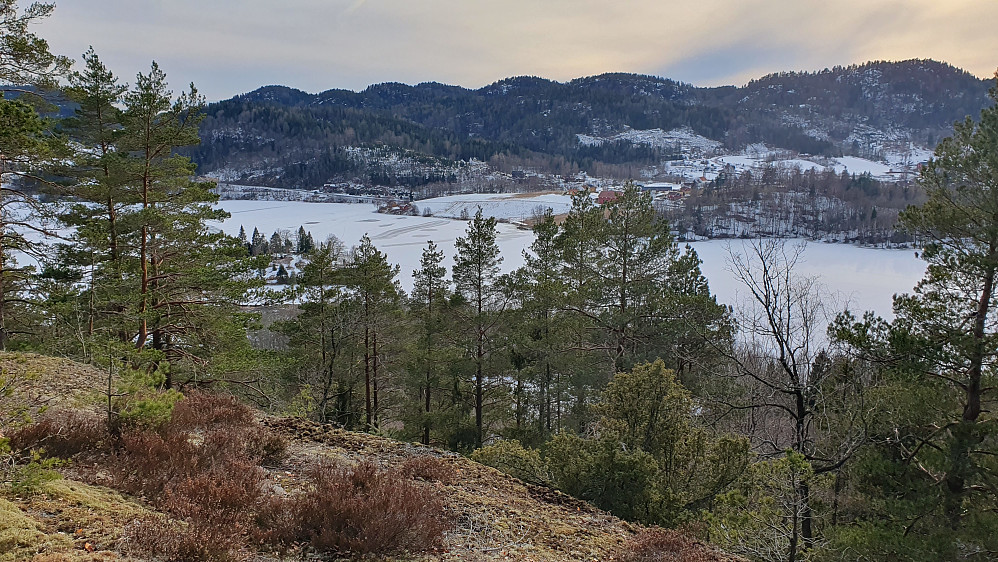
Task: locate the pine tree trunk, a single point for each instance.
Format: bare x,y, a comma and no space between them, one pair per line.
374,375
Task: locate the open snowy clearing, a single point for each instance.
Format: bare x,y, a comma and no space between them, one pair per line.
510,206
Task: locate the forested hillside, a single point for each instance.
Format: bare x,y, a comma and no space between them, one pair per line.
285,137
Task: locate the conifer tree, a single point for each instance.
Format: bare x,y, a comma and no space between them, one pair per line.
258,244
276,243
431,352
376,294
478,282
186,279
27,147
100,220
929,483
542,330
326,339
25,58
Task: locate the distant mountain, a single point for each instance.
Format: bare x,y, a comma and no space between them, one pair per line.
396,134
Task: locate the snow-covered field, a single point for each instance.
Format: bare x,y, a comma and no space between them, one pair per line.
508,206
863,278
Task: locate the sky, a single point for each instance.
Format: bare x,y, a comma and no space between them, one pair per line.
228,47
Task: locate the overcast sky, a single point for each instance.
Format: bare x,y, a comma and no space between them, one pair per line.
229,47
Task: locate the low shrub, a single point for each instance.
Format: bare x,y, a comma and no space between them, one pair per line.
63,433
516,460
27,478
431,469
173,541
201,469
663,545
358,510
202,411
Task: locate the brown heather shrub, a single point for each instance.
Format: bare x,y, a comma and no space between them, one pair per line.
147,463
358,510
431,469
173,541
202,411
663,545
63,434
201,469
217,414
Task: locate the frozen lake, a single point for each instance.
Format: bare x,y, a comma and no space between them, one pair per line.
858,278
863,278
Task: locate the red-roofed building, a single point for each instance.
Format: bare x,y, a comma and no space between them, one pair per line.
607,196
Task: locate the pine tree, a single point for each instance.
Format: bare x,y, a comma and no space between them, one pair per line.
371,281
477,281
431,352
100,220
25,58
27,147
541,332
325,338
187,279
929,482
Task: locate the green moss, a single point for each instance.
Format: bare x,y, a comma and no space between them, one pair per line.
100,502
21,537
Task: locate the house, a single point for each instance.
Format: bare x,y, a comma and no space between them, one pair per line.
607,196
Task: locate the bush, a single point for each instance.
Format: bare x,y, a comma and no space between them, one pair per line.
141,402
663,545
513,459
174,541
358,510
62,434
27,479
200,468
431,469
202,411
211,413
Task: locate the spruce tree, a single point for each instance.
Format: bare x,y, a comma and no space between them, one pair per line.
276,243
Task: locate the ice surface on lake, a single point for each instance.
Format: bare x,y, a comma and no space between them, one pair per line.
858,278
401,238
863,278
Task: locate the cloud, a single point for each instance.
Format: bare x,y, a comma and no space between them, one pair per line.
230,46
